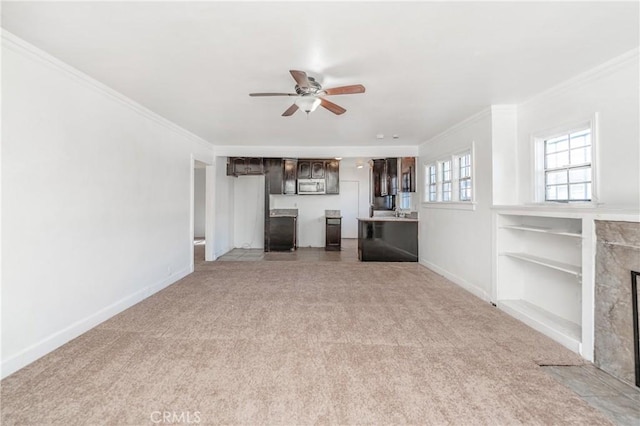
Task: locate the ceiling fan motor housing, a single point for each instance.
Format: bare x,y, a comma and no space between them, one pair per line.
313,89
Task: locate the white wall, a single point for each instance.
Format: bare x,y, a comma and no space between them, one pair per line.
454,242
457,243
248,217
96,202
199,202
610,90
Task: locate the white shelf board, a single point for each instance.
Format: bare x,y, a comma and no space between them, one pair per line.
559,329
553,264
531,228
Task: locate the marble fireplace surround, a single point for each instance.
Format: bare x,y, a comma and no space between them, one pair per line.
617,254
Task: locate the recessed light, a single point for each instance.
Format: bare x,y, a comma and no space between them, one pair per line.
396,137
338,158
379,136
360,166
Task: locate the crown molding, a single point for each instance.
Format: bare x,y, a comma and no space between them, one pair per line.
595,73
280,151
26,49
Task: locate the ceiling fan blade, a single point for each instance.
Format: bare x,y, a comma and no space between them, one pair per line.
293,108
301,78
345,90
336,109
273,94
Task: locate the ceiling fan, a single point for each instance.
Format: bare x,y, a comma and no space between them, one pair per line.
310,94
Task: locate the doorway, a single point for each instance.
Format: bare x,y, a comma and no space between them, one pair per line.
349,206
199,210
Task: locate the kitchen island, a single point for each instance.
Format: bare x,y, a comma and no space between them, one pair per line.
387,239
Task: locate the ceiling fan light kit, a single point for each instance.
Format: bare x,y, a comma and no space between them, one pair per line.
308,103
310,94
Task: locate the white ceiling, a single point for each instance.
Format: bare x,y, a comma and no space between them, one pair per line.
425,65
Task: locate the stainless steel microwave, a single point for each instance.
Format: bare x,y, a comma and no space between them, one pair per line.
311,186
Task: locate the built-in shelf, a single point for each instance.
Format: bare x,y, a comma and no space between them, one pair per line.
563,331
531,228
553,264
549,295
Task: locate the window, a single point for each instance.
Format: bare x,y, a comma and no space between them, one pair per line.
464,176
449,180
432,183
445,178
567,167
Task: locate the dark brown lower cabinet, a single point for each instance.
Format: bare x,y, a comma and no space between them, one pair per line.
282,233
333,234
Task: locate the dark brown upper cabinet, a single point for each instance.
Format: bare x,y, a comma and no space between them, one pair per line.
290,176
274,174
380,178
332,172
242,166
304,169
385,177
317,169
408,174
392,172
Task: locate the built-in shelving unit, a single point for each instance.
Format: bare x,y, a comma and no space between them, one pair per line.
538,277
549,263
531,228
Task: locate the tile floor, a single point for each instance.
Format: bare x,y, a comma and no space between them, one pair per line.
619,401
349,253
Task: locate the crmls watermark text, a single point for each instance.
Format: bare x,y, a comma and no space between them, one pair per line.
175,417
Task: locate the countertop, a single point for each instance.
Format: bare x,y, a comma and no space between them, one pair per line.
283,213
332,214
386,219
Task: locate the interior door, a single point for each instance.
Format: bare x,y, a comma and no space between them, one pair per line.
349,193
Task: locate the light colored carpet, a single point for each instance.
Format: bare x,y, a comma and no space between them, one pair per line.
302,343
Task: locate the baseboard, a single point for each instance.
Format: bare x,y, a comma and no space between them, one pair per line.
471,288
59,338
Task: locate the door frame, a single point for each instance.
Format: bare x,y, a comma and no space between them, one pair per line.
209,228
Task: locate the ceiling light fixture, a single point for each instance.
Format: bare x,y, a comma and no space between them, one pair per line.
308,103
338,158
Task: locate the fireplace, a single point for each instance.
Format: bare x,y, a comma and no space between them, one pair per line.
616,325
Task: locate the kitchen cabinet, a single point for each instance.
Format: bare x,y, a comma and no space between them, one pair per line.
329,170
290,176
385,177
392,173
333,230
380,178
387,240
274,174
242,166
317,169
304,169
332,173
282,233
408,174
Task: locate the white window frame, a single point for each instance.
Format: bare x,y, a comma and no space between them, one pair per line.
539,181
442,181
430,184
455,202
461,179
